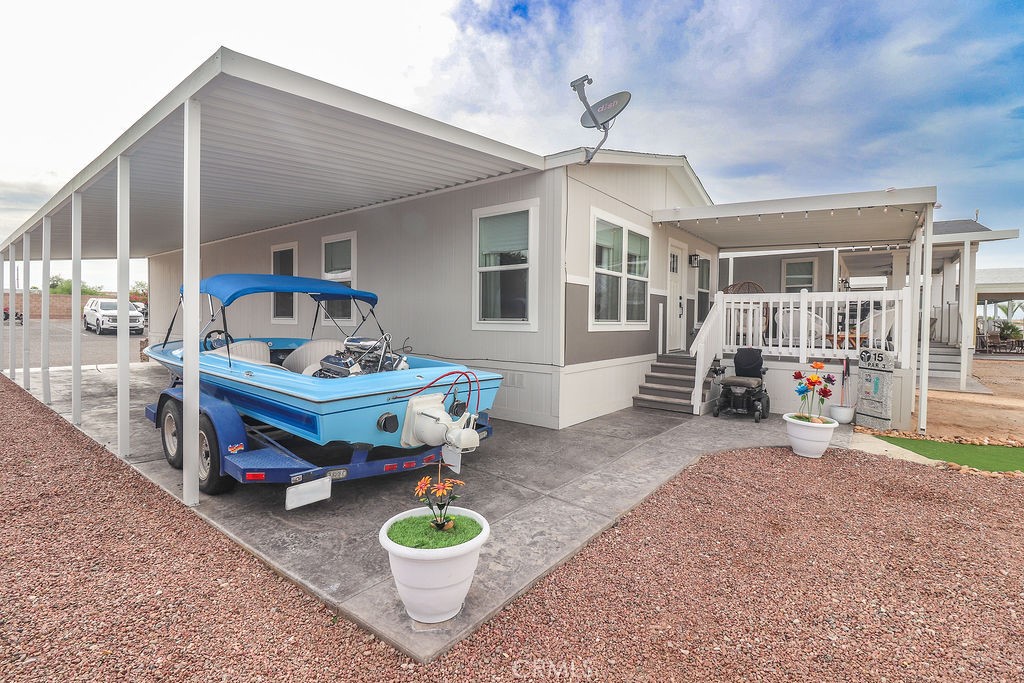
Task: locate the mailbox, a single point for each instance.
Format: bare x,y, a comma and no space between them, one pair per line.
874,404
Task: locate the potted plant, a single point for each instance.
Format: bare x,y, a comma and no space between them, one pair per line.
810,434
434,556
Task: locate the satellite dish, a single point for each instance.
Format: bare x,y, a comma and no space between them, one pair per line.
600,115
605,110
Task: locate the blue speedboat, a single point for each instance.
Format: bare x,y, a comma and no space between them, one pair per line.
389,410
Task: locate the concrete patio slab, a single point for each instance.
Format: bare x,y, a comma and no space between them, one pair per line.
545,492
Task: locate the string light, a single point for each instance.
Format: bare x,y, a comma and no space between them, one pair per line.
782,215
805,215
758,218
858,210
886,209
832,212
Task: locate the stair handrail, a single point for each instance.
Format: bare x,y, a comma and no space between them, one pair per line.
707,346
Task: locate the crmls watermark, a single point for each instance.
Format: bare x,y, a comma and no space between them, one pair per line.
552,669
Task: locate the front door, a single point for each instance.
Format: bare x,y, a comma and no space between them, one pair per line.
676,313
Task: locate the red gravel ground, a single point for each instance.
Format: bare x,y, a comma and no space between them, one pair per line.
753,565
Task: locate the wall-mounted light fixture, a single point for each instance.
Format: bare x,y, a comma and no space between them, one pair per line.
695,260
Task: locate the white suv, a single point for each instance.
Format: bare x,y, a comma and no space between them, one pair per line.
101,315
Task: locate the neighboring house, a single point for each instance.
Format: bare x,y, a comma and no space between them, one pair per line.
568,279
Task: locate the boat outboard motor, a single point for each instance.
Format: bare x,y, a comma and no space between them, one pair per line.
427,423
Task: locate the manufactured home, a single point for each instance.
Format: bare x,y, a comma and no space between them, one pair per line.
571,279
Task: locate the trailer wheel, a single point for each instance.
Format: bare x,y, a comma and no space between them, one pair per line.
170,429
211,481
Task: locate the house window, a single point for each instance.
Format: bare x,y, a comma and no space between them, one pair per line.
703,288
338,262
799,274
621,268
505,271
283,262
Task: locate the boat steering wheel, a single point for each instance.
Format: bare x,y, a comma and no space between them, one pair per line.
215,339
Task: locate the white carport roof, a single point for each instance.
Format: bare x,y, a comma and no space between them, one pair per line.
835,220
277,148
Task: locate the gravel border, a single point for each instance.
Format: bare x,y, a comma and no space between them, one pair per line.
750,565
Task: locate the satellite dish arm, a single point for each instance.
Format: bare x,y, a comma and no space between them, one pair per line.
579,86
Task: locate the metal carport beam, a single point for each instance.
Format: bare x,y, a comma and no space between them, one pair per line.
76,302
189,437
10,304
44,313
124,329
26,308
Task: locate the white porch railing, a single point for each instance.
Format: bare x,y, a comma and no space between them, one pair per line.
706,346
805,325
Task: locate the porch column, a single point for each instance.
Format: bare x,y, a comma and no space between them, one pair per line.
44,314
190,307
10,303
26,308
76,305
898,279
835,270
123,306
967,322
947,324
732,263
922,415
915,302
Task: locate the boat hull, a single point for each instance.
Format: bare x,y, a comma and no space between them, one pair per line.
324,410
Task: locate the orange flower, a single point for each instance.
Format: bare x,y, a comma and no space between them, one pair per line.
456,482
422,486
441,488
818,365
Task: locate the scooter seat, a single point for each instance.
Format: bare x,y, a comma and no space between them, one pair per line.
744,382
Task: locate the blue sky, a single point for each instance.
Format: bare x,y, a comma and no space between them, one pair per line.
766,99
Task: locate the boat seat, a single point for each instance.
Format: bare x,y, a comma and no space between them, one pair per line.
249,349
305,360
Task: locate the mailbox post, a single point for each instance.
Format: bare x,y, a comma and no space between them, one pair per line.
874,407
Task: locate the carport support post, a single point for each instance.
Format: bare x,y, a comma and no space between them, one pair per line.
44,314
26,308
76,305
189,436
967,322
926,269
123,306
3,333
10,303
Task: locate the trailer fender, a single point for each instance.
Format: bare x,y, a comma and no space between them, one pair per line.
226,420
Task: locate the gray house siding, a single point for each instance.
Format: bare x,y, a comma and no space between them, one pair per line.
417,256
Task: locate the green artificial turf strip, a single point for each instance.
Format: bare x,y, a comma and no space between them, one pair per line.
417,532
991,458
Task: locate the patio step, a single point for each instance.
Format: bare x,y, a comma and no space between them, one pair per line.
676,405
669,384
677,369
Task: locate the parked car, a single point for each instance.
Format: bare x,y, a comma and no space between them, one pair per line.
142,308
101,315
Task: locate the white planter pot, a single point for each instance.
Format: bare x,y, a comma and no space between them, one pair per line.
808,439
842,414
433,583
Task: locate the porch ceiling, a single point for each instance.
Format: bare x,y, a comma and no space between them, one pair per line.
860,218
277,148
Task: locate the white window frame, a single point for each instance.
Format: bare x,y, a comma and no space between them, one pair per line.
627,227
814,273
294,320
532,264
324,241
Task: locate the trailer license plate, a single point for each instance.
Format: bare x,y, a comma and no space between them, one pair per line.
307,492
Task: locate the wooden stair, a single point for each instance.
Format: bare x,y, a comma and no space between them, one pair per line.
669,384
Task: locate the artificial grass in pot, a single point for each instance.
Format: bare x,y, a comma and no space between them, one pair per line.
991,458
417,532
